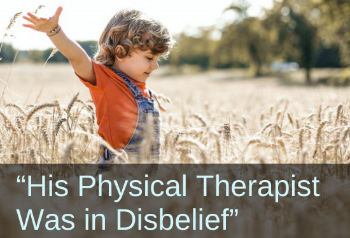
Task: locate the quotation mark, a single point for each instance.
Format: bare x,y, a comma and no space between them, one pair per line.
19,180
231,212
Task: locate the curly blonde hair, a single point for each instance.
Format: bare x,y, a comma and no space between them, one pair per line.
132,30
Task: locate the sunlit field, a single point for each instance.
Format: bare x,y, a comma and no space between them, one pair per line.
215,117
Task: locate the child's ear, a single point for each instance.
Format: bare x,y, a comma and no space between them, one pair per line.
120,53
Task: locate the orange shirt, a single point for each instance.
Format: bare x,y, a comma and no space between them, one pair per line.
116,108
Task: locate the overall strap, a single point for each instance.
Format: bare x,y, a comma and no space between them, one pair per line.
133,88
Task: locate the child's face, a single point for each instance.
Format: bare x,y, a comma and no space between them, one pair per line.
139,65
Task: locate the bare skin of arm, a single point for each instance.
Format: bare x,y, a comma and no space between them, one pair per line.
77,57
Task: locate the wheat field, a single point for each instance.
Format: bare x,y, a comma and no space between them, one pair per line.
47,116
215,117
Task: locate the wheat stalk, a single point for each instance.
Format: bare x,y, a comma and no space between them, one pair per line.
40,6
8,122
45,136
339,109
67,153
201,119
37,108
58,125
13,20
199,145
318,136
17,107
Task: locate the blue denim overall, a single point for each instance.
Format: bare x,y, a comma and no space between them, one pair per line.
146,137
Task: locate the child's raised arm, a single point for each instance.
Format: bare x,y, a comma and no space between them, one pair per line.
77,57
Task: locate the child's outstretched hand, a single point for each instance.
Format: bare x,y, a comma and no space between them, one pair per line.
43,24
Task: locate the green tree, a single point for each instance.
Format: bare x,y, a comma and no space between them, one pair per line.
327,56
7,53
193,50
90,47
334,24
304,36
297,35
41,56
36,55
245,40
58,57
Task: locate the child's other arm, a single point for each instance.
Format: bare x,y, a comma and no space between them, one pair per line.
77,57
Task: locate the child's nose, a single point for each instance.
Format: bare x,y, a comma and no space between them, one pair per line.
154,65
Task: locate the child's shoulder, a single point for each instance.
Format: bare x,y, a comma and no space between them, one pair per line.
99,65
102,69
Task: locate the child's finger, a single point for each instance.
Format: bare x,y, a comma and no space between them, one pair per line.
29,19
58,13
28,25
32,16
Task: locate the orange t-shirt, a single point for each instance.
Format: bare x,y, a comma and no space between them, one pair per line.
116,108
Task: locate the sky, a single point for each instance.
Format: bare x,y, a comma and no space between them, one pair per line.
85,20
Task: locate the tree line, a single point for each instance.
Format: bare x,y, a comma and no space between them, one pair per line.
8,53
313,33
